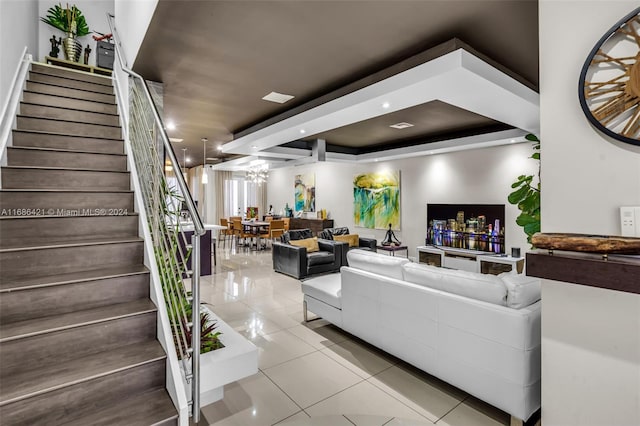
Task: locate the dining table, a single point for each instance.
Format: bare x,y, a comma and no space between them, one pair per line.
254,227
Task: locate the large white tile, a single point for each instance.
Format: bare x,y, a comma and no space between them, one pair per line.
232,311
363,399
333,420
251,401
279,347
409,422
311,378
364,360
254,325
464,415
270,302
298,419
280,317
432,399
368,419
320,337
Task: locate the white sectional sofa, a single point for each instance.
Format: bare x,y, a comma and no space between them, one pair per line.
478,332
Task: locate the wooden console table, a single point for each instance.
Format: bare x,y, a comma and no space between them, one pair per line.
316,225
78,66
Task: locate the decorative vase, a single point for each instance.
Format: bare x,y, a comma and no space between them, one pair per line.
72,48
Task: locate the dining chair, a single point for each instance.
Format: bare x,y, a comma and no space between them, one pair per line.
276,229
286,223
224,233
239,232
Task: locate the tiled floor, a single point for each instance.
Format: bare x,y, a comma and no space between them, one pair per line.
314,373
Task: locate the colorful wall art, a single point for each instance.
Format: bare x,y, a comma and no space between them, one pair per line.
376,200
305,192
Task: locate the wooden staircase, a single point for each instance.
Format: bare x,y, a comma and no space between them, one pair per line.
77,328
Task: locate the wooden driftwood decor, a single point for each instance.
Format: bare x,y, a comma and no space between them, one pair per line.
587,243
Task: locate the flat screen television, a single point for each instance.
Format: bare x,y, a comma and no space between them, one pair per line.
467,226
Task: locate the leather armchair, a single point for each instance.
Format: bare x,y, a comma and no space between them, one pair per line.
298,263
363,243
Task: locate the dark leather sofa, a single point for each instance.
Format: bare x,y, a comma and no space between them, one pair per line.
363,243
296,262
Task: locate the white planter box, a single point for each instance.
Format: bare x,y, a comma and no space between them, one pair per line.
237,360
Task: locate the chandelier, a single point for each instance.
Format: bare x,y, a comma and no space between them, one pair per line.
258,174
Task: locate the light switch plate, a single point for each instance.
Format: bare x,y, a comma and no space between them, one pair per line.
630,221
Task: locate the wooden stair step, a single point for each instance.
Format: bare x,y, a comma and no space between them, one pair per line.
78,128
55,140
33,327
72,277
53,89
150,408
59,112
71,73
89,86
61,158
32,382
68,102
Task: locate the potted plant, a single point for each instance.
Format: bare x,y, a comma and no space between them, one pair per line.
527,195
70,21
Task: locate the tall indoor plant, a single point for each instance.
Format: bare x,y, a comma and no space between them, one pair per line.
70,21
527,195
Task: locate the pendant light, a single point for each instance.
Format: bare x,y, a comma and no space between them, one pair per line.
205,178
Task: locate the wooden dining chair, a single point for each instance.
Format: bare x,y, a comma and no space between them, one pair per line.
224,233
276,229
239,232
286,223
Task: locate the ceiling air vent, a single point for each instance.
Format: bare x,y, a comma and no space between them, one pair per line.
402,125
278,98
175,140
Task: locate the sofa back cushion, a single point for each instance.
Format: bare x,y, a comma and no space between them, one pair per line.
329,233
522,290
296,234
388,266
351,239
485,287
311,244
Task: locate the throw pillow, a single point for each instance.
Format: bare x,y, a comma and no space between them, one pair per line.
352,239
522,290
311,244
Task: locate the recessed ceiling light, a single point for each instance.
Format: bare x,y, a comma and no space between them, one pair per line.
513,141
386,105
278,98
254,146
402,125
219,147
175,140
303,131
171,125
188,159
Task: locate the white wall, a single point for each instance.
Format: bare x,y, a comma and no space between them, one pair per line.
132,20
482,176
590,336
94,11
18,28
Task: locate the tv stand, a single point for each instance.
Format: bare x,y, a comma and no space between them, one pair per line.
469,260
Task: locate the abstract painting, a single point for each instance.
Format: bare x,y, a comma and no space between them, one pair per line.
305,192
376,200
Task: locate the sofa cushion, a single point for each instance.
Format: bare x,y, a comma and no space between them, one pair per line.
311,244
295,234
351,239
325,288
389,266
485,287
319,258
522,290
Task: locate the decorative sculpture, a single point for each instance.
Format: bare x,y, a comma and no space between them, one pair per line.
390,239
87,51
54,46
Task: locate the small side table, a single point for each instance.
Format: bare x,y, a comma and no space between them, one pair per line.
394,249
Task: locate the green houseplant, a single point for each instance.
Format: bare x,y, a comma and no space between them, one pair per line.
526,195
70,21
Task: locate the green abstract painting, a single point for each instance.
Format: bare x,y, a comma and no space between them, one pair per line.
305,192
376,200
